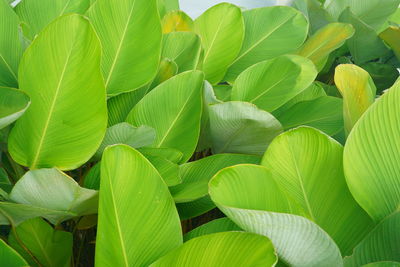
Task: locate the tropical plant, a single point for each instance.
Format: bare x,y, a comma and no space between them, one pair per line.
133,135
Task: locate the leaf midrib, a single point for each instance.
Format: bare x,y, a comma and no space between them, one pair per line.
176,119
120,45
299,176
51,111
262,39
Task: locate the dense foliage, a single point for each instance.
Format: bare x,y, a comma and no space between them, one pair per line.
132,135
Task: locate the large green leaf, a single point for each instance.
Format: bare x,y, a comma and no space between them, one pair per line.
382,244
221,29
324,113
53,190
52,248
67,118
138,221
308,166
183,48
196,175
36,15
325,41
270,84
13,103
251,198
269,32
130,33
372,12
9,257
240,127
10,46
173,109
222,250
372,156
358,91
215,226
124,133
365,45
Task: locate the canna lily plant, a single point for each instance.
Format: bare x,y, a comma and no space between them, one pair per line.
133,135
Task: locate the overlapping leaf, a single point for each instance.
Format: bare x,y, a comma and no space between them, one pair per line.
221,29
127,200
67,118
130,34
222,249
372,154
270,84
10,46
269,32
13,103
173,109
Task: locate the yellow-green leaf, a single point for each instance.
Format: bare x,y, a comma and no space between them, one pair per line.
67,118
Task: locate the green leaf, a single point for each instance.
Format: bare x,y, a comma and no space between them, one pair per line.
221,29
10,46
252,199
240,127
372,12
381,244
130,34
270,84
391,37
138,222
308,166
67,118
176,21
222,249
119,106
5,183
173,109
53,190
365,45
170,154
92,178
13,103
183,48
324,113
315,13
314,91
14,213
9,257
166,70
36,15
358,91
196,175
371,157
383,264
165,6
168,170
223,92
50,247
215,226
325,41
195,208
124,133
269,32
383,75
